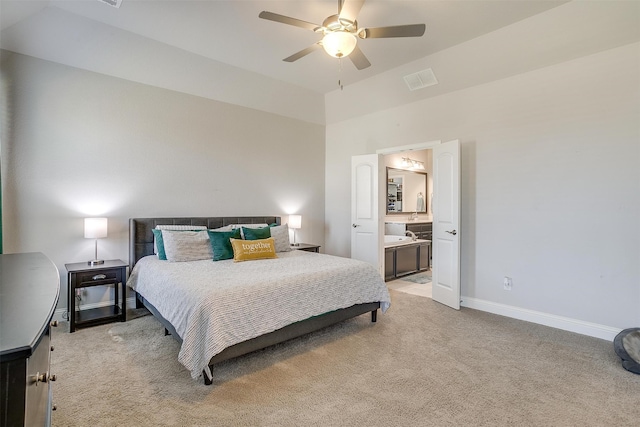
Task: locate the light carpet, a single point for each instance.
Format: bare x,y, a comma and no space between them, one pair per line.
421,364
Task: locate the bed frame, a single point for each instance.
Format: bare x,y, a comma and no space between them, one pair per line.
141,245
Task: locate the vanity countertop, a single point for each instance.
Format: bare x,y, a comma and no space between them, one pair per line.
409,221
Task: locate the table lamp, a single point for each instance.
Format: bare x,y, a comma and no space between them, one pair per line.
295,222
95,228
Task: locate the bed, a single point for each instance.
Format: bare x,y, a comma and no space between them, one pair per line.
226,309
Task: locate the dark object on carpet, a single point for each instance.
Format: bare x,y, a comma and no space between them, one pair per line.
421,278
627,345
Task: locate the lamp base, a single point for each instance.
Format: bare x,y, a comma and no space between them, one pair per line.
96,262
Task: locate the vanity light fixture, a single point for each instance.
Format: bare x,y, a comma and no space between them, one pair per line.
95,228
408,163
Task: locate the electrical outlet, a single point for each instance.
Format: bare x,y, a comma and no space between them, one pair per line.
508,283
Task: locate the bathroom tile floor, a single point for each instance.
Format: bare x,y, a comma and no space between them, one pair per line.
423,290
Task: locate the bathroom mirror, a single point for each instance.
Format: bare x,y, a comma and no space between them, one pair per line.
406,191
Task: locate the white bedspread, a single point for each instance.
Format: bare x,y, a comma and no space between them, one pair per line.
214,305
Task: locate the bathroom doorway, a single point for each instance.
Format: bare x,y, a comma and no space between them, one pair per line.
368,214
408,219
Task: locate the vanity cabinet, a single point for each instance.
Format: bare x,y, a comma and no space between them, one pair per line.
389,264
422,230
407,260
403,260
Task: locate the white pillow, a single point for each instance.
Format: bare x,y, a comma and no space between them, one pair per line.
182,246
181,227
175,227
223,228
280,234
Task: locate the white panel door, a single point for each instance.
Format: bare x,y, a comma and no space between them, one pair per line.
446,224
367,209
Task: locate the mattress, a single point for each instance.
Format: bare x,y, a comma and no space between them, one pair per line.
216,304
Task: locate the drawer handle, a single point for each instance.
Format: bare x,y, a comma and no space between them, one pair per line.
40,378
99,277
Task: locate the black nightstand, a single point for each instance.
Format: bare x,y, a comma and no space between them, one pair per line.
306,247
82,275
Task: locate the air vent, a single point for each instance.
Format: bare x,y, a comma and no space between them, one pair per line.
114,3
421,79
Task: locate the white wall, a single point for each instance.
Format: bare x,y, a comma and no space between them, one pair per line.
53,34
550,184
572,30
77,143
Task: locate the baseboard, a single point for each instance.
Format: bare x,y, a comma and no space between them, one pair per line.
60,313
565,323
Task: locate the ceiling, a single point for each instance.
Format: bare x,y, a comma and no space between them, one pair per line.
230,32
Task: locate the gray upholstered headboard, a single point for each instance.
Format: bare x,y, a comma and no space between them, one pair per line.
141,236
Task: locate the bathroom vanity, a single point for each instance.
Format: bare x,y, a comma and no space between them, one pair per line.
402,254
409,258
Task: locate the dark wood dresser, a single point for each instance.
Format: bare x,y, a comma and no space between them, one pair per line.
29,292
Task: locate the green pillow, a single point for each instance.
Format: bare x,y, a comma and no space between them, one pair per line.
159,244
221,244
256,233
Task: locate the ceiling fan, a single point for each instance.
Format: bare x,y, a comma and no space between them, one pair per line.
341,33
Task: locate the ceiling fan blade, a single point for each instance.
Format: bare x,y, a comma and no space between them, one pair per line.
359,60
288,20
303,52
413,30
349,9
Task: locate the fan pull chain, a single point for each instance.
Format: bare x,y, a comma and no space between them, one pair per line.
340,72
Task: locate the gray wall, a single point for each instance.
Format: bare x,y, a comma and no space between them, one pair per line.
77,143
550,186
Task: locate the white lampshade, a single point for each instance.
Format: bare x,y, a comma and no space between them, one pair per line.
339,43
295,221
95,228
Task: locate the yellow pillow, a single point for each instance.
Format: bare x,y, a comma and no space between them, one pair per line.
246,250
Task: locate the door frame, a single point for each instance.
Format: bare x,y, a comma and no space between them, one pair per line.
403,148
428,145
413,147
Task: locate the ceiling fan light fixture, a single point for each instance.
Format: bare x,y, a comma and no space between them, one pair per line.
339,43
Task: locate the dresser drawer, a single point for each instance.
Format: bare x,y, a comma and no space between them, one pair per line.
98,277
37,406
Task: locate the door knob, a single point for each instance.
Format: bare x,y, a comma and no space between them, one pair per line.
454,232
355,225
